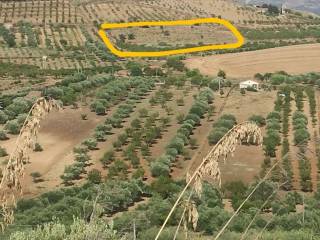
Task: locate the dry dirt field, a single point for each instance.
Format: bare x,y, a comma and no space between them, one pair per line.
60,132
292,59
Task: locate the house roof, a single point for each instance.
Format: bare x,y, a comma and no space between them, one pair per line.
249,82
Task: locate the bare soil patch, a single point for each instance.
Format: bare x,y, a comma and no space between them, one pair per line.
59,133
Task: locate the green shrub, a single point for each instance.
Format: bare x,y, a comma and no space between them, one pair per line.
224,123
301,136
38,148
81,149
94,176
3,117
216,134
90,143
180,118
107,158
13,127
222,74
229,117
259,120
159,169
274,115
175,63
18,106
277,79
138,173
118,169
76,231
100,136
82,157
100,109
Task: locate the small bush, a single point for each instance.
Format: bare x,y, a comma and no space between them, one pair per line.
3,117
301,136
13,127
107,158
259,120
94,176
38,148
216,135
90,143
159,169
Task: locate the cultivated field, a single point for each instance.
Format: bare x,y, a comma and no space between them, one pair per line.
293,59
131,140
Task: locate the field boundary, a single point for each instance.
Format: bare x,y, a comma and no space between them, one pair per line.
114,50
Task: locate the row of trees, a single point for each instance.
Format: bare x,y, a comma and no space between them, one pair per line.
66,203
17,107
282,77
284,223
301,138
73,86
161,166
123,111
73,171
286,161
312,103
142,134
119,90
272,138
13,116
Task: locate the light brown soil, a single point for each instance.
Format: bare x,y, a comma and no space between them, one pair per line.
59,133
292,59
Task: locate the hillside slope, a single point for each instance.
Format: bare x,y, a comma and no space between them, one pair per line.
304,5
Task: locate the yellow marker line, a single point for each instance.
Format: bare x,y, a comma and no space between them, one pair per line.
227,24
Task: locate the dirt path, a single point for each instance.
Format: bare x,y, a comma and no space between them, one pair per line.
292,59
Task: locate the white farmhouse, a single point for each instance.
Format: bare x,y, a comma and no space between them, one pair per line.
249,84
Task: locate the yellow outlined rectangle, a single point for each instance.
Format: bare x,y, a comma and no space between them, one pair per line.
114,50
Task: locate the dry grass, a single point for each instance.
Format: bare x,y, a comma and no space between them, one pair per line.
10,185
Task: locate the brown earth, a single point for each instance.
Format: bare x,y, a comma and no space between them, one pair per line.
292,59
60,132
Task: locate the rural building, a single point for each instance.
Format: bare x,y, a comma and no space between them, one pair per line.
249,84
